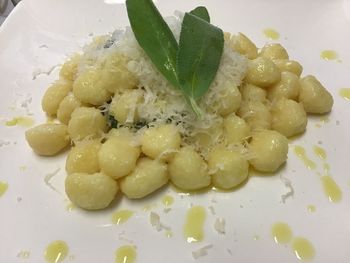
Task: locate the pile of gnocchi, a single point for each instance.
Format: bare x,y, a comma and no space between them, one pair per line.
272,105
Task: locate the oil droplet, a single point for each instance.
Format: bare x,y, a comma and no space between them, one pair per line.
300,152
168,200
125,254
311,208
3,187
320,152
121,216
345,93
331,189
303,248
20,121
23,254
56,251
256,237
23,168
168,234
271,33
281,233
194,224
329,55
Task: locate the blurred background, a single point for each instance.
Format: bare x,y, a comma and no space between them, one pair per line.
5,8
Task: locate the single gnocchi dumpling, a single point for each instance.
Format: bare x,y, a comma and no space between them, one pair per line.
268,149
54,95
253,93
288,87
229,168
124,107
148,176
161,142
315,98
243,45
91,191
288,117
274,51
70,68
289,65
118,156
66,107
235,129
227,100
262,72
256,114
188,171
88,88
115,75
86,122
48,139
83,158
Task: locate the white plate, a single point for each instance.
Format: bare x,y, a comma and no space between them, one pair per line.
39,34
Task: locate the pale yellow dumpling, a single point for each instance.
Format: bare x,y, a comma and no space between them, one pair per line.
66,107
229,168
205,138
288,117
118,156
54,95
48,139
235,129
228,99
289,65
124,107
315,98
161,141
288,87
274,51
188,171
83,158
88,88
256,114
262,72
268,149
253,93
243,45
91,191
148,176
86,122
70,68
115,75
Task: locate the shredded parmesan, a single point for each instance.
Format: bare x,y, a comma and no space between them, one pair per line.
203,251
219,225
155,222
48,178
288,184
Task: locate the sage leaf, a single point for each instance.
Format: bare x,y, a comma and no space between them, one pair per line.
154,36
201,12
198,59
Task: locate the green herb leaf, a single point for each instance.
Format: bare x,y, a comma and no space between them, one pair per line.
201,12
154,36
198,59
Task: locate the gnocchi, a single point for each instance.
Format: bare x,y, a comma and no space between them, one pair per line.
54,96
91,191
229,168
188,171
131,132
86,122
148,176
315,98
48,139
269,150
